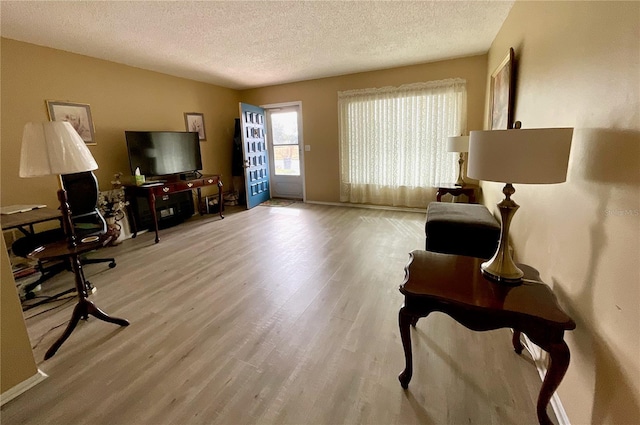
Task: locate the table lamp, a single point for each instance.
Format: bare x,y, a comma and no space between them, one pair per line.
55,148
459,144
533,156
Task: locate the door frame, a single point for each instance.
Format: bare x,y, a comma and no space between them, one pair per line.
298,104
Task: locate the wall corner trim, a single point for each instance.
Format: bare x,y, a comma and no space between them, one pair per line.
22,387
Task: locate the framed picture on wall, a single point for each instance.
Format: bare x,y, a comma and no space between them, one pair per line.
194,121
78,114
501,106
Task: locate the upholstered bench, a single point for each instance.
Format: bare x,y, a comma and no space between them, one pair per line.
461,229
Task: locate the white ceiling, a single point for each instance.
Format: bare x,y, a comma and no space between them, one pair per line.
246,44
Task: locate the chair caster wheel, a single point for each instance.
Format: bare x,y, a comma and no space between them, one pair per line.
112,265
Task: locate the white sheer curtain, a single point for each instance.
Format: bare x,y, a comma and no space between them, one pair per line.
393,141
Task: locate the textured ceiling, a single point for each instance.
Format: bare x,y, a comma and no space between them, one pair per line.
240,44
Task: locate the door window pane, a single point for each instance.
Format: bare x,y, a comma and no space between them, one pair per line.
286,156
286,160
284,126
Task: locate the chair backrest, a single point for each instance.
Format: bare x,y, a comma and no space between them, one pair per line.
82,195
82,192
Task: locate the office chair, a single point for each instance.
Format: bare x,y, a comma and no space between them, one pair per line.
82,193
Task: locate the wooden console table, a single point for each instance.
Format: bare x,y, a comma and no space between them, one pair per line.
454,285
150,190
84,307
449,188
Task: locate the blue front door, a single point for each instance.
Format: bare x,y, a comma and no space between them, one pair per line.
254,152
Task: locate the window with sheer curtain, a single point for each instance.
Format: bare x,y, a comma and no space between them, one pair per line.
393,141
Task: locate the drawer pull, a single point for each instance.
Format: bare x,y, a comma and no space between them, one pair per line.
189,184
165,189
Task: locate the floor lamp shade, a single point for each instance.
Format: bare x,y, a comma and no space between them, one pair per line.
536,156
53,148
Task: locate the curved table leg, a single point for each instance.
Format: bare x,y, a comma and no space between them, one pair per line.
414,321
99,314
404,321
220,204
82,310
517,344
558,363
78,312
154,214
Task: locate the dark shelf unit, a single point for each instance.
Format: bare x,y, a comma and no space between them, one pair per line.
171,209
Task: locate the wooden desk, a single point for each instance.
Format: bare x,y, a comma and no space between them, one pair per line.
84,307
24,221
151,191
455,285
449,188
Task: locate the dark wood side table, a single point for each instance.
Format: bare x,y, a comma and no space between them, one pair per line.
449,188
151,190
84,307
454,285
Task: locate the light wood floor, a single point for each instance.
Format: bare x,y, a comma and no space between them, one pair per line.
275,315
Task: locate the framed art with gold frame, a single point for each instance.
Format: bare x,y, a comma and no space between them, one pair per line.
78,114
501,101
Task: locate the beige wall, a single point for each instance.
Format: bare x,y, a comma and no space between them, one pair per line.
121,98
579,66
16,358
320,110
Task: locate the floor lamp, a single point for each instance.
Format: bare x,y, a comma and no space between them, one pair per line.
55,148
533,156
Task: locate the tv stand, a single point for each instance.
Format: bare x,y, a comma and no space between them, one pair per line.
173,184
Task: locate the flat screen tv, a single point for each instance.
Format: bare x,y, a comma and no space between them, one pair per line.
161,153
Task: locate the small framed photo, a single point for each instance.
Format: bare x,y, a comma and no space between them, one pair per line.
194,121
78,114
501,117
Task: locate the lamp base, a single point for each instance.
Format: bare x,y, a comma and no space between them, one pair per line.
514,280
460,181
501,268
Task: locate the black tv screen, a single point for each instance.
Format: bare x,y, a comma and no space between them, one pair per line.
160,153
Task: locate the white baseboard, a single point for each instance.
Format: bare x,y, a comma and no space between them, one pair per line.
22,387
540,359
367,206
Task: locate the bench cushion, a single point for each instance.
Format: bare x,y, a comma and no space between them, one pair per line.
461,229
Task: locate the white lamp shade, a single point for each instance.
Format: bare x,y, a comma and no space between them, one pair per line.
539,155
53,148
458,144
